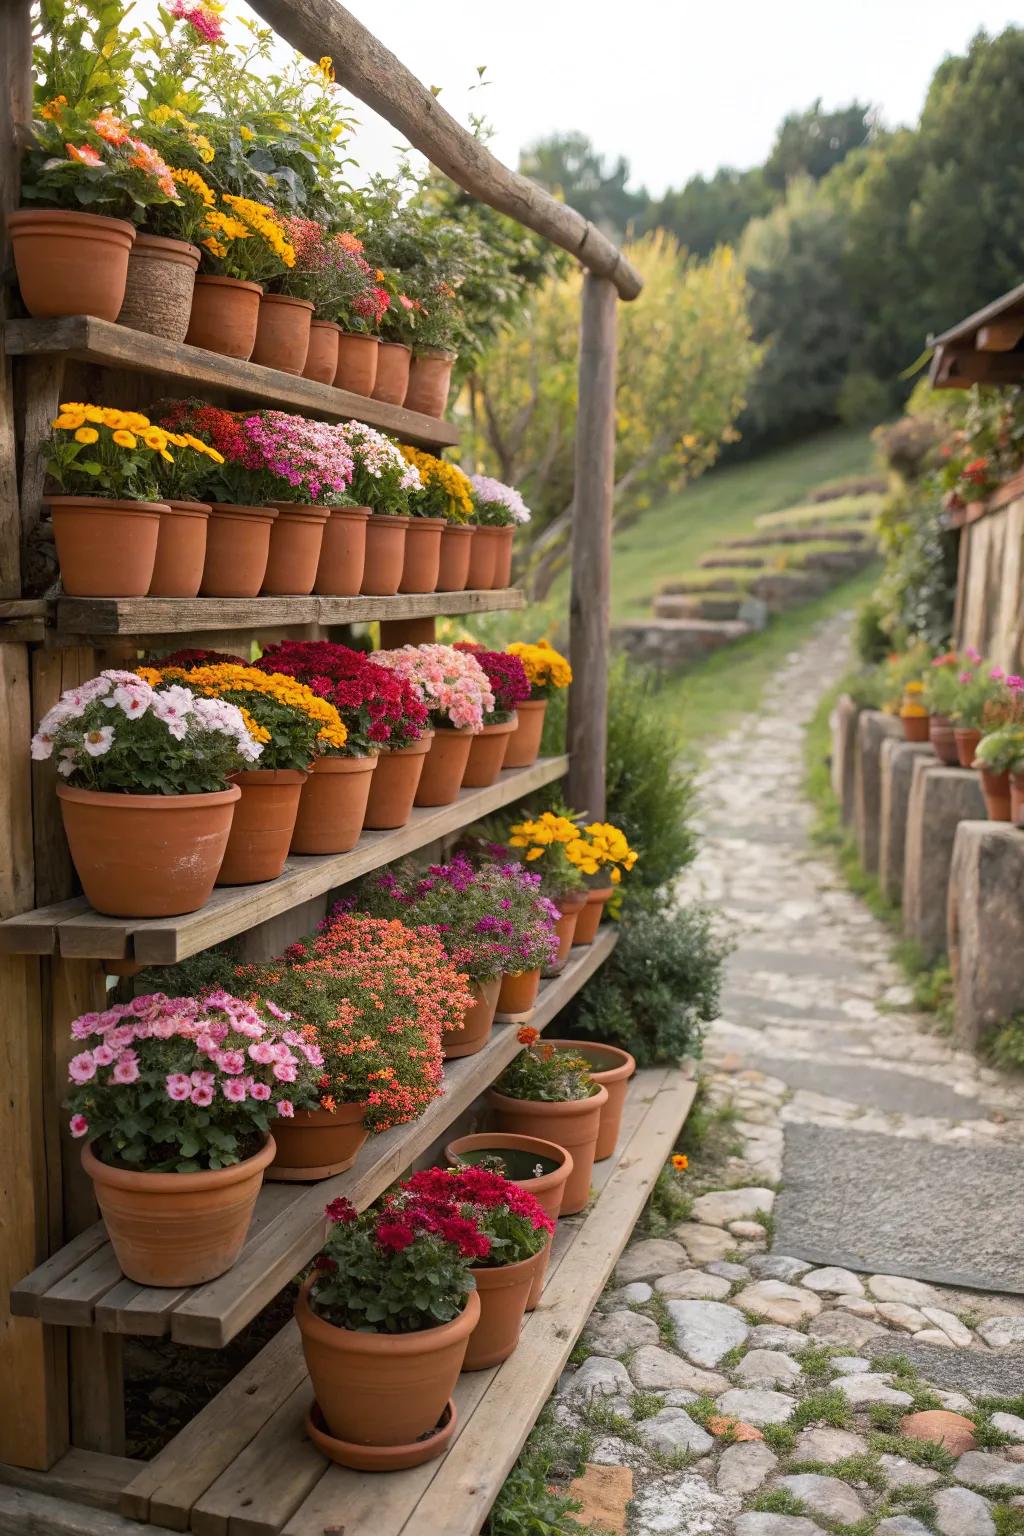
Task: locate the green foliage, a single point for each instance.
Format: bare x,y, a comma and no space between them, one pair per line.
863,400
528,1504
812,142
870,640
1004,1047
826,1405
568,165
545,1076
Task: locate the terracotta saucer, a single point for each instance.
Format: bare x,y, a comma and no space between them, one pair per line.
381,1458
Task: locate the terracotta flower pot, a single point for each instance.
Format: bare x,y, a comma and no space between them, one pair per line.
176,1229
180,549
342,553
503,557
476,1028
383,1388
547,1188
942,737
504,1292
1017,799
996,789
487,754
147,855
382,1458
357,363
430,377
524,743
519,992
453,567
966,738
332,804
282,332
444,766
385,554
264,822
612,1068
392,381
106,548
394,784
570,908
225,314
589,919
70,263
915,727
158,292
574,1125
296,539
483,558
317,1143
322,356
422,554
237,546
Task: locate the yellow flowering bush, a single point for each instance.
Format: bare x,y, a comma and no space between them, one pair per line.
446,491
244,239
291,722
605,848
545,842
96,450
546,668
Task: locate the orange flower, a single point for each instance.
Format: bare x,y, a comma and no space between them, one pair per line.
85,154
527,1035
680,1162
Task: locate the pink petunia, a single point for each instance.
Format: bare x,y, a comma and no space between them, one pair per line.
233,1091
262,1051
203,1096
179,1085
232,1062
259,1091
79,1126
82,1068
103,1055
285,1108
126,1070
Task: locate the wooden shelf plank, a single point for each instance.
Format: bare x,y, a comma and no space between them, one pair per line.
117,346
80,933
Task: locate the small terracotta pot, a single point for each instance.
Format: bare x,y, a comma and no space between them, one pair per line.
589,919
422,554
322,356
915,727
264,822
382,1458
430,377
106,548
444,766
394,784
503,557
483,558
453,567
296,539
612,1068
332,804
383,1388
1017,799
357,363
476,1028
519,992
385,554
282,332
177,1229
524,743
317,1143
996,789
966,738
237,546
342,553
70,263
504,1292
147,855
225,314
942,737
158,292
392,381
570,907
487,754
180,549
574,1125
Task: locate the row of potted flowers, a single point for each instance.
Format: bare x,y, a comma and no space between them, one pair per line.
197,500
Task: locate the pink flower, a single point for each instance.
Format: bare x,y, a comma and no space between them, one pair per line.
79,1125
1014,682
259,1090
972,654
285,1108
103,1055
965,677
126,1070
232,1062
178,1086
82,1068
263,1052
997,674
233,1091
203,1079
203,1096
284,1071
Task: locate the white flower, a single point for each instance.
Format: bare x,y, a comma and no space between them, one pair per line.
99,741
42,746
134,699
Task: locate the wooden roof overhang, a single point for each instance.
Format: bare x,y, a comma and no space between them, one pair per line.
985,348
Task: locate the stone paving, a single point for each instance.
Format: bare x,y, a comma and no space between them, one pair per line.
729,1390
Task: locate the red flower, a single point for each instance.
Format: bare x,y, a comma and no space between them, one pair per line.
341,1210
395,1235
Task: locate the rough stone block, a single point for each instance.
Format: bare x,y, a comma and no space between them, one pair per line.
986,927
844,746
897,766
671,643
873,727
940,799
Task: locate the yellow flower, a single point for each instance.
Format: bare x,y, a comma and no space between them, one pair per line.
115,420
211,453
69,421
534,853
53,109
94,414
155,438
86,435
193,182
125,439
169,458
246,134
545,667
215,247
178,439
135,421
325,68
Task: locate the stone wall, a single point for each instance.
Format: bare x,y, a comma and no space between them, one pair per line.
940,799
873,727
897,767
986,927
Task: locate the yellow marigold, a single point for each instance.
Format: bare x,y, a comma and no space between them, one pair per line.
53,109
155,438
86,435
545,667
136,422
69,421
193,182
325,68
229,677
125,439
264,221
449,478
256,731
114,419
215,247
246,134
94,415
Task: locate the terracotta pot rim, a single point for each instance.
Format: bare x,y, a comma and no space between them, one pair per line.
360,336
189,508
558,1106
326,325
485,528
389,517
575,901
435,352
355,514
278,775
400,344
512,1142
381,1458
183,1183
531,704
240,510
23,217
497,1277
624,1067
428,522
233,282
286,298
391,1344
600,892
414,748
302,511
348,1114
103,503
354,762
146,802
500,727
169,249
456,730
466,528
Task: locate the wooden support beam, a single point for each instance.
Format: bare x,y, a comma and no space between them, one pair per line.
957,367
999,335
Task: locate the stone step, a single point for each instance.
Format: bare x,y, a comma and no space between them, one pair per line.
671,643
685,585
716,560
801,533
717,605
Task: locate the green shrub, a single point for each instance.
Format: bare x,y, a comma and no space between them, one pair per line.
863,400
870,640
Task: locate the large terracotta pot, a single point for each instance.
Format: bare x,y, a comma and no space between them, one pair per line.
589,919
1017,799
524,743
225,314
612,1068
570,908
357,363
322,356
476,1028
995,787
966,738
261,832
282,332
180,549
333,804
70,263
317,1143
392,381
487,754
915,727
942,737
177,1229
503,556
422,555
383,1388
444,766
453,567
106,548
483,558
504,1292
296,538
158,292
574,1125
394,784
385,554
237,546
519,992
147,855
430,377
342,553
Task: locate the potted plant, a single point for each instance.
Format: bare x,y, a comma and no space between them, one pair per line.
382,483
182,474
551,844
244,247
309,467
397,328
612,1068
455,689
164,259
442,502
551,1095
312,281
176,1098
603,856
983,702
547,671
360,303
942,690
437,325
499,507
1000,757
913,714
510,686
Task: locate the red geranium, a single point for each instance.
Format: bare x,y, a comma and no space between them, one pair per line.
379,707
507,677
